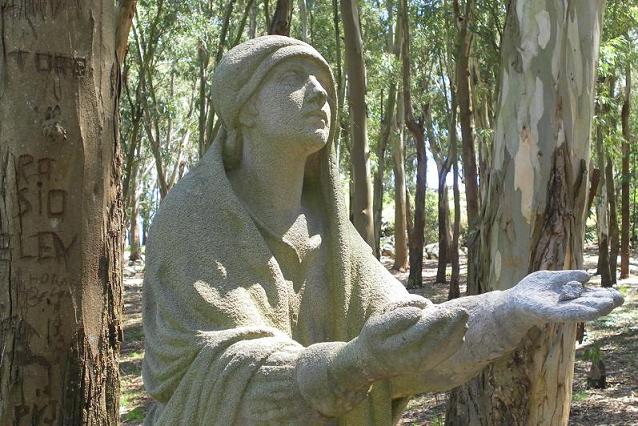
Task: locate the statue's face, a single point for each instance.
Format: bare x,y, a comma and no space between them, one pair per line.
292,106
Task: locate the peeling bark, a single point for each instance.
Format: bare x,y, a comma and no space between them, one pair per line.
534,209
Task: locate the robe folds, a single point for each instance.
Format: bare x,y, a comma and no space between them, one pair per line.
217,306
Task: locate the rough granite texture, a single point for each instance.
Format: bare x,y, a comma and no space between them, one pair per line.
253,315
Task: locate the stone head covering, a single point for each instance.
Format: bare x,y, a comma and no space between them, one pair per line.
242,69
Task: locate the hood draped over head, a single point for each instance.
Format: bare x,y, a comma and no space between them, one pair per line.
239,75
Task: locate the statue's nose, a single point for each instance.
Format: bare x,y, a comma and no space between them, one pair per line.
317,93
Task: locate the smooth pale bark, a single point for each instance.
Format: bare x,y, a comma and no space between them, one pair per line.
60,212
303,19
626,177
355,68
534,209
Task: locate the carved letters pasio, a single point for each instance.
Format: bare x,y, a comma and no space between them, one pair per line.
38,198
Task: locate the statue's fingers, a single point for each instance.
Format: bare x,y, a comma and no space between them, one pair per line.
413,300
611,293
395,321
581,309
562,277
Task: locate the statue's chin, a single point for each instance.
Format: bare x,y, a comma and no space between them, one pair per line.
318,138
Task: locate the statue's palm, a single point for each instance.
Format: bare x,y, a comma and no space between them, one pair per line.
560,296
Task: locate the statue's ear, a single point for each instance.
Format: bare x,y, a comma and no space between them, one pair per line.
248,114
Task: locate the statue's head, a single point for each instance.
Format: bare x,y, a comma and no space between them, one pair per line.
279,87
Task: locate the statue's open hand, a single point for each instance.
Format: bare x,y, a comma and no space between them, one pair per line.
560,296
410,339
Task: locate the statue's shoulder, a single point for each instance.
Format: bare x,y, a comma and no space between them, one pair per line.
193,204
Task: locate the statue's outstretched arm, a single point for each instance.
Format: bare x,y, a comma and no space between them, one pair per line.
498,321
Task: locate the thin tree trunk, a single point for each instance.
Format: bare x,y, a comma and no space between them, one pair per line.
252,26
204,58
355,68
455,291
280,23
379,175
626,177
444,222
594,183
464,99
602,215
303,19
415,279
614,234
60,212
133,213
401,211
546,109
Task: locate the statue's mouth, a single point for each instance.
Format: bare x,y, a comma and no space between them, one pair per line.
318,114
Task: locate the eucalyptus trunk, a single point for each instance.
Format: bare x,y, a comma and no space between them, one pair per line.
386,133
626,177
400,200
355,68
60,212
602,212
534,208
614,233
464,40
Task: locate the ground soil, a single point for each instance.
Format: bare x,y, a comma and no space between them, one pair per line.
614,338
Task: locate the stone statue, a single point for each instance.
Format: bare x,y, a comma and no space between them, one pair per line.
262,305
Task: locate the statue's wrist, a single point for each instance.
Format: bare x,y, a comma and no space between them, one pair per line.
351,367
323,379
513,317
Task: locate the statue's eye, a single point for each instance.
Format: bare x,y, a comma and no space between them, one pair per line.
290,76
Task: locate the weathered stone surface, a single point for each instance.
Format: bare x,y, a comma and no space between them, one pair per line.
262,305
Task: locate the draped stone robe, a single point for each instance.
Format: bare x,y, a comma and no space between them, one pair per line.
219,303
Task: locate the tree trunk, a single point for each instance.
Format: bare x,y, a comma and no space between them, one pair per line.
444,222
455,291
355,68
614,234
60,212
379,175
280,23
415,279
626,177
602,213
303,20
252,24
464,99
400,202
133,213
594,182
534,209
